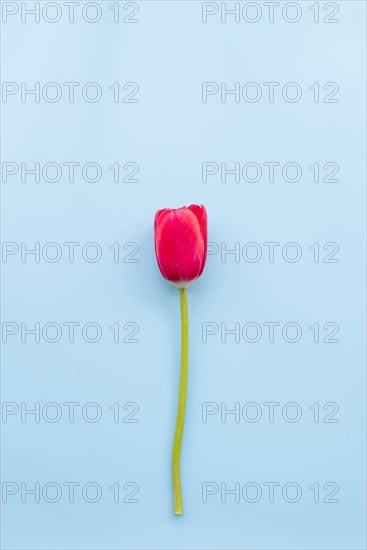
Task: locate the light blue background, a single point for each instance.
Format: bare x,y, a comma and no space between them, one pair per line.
169,133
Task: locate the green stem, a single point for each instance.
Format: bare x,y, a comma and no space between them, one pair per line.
177,495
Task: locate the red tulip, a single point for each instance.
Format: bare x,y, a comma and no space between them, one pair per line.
181,243
181,238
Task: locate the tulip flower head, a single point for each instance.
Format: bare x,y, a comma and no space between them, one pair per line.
181,238
181,243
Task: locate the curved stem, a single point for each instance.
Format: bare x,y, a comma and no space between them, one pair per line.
177,496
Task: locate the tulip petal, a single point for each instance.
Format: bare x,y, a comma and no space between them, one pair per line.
200,213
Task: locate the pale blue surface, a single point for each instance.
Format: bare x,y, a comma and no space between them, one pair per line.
169,133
